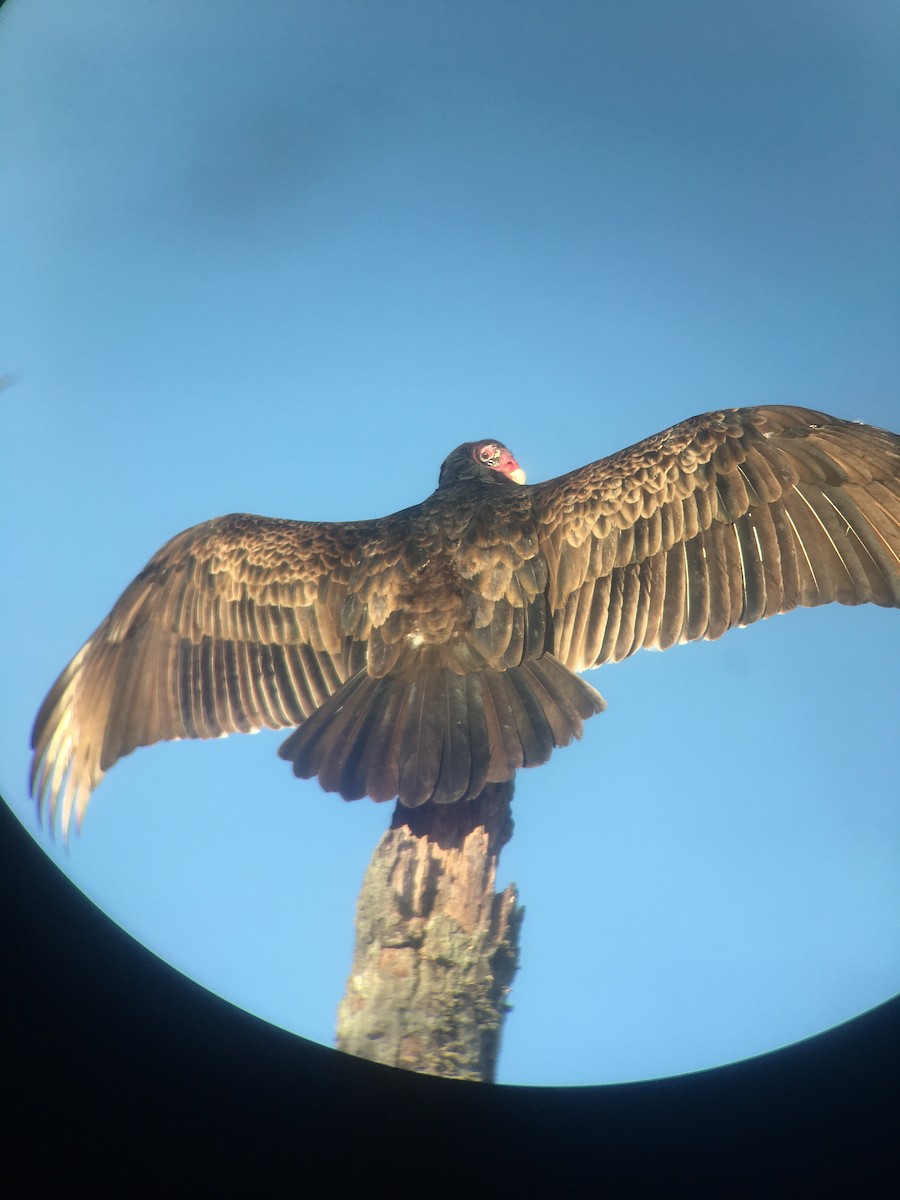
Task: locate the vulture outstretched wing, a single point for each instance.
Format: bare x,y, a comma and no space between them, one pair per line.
424,654
233,626
722,520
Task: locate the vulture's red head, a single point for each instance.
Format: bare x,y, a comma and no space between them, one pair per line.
488,461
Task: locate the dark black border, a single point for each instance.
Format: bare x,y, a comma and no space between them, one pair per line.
122,1074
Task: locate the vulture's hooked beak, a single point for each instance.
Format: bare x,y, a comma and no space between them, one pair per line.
510,467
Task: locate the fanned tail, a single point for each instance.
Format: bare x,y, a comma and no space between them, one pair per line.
438,735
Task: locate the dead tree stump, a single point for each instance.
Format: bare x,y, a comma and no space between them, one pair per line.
436,948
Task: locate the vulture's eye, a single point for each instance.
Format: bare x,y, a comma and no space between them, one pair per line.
489,455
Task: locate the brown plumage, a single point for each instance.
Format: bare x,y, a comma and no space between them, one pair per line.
426,653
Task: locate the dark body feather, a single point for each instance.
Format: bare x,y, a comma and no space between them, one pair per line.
426,653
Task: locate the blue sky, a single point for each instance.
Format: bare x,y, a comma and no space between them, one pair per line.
282,258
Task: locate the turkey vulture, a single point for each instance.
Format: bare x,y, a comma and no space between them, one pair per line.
424,654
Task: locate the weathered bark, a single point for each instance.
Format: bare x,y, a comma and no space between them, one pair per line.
436,948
